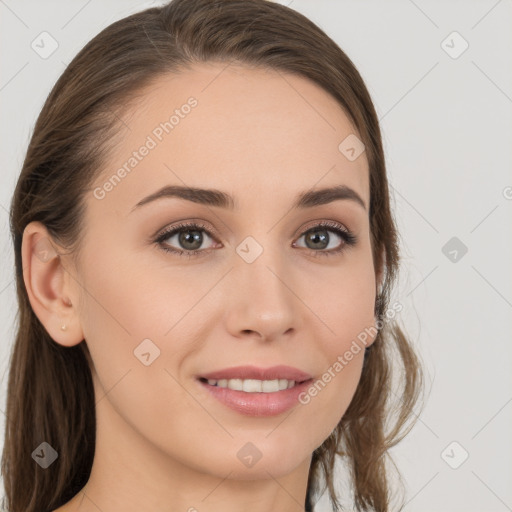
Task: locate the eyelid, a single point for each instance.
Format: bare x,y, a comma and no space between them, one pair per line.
209,228
319,224
184,224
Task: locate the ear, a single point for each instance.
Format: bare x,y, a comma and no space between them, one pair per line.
380,274
48,285
379,281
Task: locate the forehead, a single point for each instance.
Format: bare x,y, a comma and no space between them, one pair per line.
234,127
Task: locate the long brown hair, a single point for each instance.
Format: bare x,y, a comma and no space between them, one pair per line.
50,396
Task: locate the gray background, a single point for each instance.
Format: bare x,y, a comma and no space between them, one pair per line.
447,128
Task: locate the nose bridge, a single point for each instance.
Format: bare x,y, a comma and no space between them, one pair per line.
262,268
263,300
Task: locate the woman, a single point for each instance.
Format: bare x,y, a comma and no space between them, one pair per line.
204,253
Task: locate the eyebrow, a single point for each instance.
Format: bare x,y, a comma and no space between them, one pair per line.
217,198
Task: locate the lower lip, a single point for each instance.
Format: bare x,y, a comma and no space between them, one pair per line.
258,404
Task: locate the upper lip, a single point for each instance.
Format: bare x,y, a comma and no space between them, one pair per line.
253,372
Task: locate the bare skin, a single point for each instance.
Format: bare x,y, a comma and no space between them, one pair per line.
163,443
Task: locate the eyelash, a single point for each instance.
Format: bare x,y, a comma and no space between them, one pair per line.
348,238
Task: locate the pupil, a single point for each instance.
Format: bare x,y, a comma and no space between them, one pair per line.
196,238
315,238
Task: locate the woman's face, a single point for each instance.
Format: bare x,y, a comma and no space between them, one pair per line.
259,291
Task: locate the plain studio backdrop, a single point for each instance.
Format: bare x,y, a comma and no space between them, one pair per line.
440,75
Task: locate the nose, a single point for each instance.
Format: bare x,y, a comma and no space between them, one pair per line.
261,302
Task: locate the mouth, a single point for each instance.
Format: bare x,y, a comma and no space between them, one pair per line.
254,385
255,397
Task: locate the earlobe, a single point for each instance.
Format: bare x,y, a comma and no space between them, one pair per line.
47,288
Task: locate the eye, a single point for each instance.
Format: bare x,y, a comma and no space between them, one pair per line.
189,238
318,239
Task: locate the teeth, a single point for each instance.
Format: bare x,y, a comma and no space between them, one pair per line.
253,385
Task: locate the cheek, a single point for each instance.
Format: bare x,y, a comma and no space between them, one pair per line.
129,310
346,302
330,394
345,305
114,315
123,320
126,302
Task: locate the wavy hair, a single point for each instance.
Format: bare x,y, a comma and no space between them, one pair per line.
50,395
